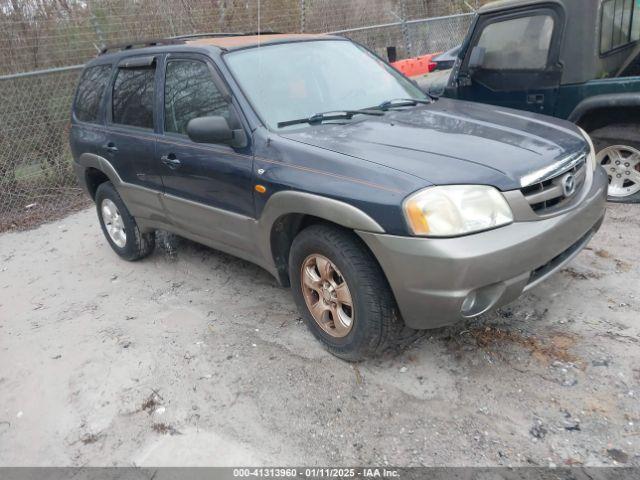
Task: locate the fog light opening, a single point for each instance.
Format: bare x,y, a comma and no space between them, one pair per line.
469,302
479,301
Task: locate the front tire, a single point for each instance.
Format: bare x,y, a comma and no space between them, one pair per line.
119,227
343,294
618,151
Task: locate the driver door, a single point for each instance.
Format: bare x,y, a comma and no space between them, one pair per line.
208,187
513,61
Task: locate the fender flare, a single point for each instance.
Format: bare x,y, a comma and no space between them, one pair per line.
91,160
610,100
291,202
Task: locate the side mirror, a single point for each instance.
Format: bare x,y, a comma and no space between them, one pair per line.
215,130
210,130
476,59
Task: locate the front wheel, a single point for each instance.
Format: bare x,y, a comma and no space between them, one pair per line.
343,294
618,151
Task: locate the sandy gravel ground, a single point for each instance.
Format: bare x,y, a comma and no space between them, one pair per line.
192,357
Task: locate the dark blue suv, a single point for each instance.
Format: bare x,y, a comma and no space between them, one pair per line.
387,211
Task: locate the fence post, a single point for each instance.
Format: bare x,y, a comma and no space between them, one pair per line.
405,29
98,30
302,16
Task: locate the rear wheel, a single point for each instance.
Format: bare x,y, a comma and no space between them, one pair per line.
343,294
618,151
119,227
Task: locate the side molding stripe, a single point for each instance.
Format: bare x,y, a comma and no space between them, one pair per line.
262,159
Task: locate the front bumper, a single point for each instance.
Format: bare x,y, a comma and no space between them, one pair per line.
438,282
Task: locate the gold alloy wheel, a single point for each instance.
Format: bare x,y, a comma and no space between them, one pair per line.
327,295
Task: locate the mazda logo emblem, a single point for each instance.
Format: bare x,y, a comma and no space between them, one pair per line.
569,185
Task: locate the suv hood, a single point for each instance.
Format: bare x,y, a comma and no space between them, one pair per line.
453,141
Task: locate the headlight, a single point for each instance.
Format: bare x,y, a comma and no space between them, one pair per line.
454,210
592,153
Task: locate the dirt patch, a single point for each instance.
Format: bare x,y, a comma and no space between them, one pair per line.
91,438
579,275
244,382
46,211
151,403
556,348
164,429
622,266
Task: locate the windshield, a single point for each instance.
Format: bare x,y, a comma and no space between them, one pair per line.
297,80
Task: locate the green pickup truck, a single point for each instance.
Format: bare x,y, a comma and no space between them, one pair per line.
573,59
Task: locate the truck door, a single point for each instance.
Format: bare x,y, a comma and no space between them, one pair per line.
513,60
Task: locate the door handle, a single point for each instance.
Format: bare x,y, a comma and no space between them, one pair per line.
171,161
110,147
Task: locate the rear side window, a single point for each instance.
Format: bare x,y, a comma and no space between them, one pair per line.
517,44
190,92
90,91
620,24
133,95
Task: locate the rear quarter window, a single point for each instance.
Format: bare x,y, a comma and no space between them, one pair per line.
93,84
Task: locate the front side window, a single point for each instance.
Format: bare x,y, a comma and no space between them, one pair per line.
189,93
90,91
133,93
299,79
620,24
517,44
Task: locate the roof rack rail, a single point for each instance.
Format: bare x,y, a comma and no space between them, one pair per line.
140,44
223,34
177,40
210,34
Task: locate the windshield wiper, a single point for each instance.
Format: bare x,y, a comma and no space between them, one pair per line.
318,118
402,102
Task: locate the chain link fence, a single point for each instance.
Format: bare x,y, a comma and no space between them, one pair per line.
36,178
413,37
44,42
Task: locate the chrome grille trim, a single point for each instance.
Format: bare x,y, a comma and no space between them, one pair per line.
547,196
554,170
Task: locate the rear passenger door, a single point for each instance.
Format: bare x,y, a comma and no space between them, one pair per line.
131,134
131,121
208,187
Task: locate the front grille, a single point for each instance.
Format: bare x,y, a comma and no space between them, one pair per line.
549,195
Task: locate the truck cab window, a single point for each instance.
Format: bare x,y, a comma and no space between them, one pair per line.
517,44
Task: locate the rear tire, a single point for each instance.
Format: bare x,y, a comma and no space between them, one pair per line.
119,227
368,320
618,151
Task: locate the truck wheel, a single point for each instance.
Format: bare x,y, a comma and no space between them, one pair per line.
618,151
119,227
343,294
